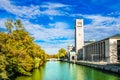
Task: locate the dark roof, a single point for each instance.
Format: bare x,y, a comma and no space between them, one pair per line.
115,36
89,41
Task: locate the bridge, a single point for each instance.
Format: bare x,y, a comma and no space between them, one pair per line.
53,59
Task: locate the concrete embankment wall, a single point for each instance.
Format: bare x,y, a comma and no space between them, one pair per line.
105,67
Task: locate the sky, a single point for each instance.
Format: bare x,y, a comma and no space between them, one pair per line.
52,22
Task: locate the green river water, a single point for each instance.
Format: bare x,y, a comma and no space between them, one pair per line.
55,70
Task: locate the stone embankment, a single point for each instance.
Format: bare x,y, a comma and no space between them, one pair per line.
115,68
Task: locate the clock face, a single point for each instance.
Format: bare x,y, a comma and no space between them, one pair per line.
79,24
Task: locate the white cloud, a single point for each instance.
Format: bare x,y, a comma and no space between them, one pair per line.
55,9
50,5
21,11
98,19
52,37
117,13
59,25
101,27
53,48
32,11
2,21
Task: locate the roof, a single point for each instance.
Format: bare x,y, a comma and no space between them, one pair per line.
89,41
70,45
114,36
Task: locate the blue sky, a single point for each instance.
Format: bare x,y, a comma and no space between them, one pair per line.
51,22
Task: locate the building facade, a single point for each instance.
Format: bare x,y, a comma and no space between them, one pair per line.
106,50
71,54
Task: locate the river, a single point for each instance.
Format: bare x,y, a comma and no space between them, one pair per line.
55,70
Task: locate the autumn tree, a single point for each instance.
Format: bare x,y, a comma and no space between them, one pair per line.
18,52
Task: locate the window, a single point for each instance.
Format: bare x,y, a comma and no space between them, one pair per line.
118,49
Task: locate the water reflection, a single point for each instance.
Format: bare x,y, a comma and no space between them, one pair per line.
36,75
55,70
23,78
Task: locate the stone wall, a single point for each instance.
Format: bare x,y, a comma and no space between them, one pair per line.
113,50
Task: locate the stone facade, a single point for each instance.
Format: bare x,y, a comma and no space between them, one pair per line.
113,50
79,36
104,50
71,53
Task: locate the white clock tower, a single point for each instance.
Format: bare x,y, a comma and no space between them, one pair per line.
79,35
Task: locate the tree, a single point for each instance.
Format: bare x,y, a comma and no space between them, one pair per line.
3,63
18,25
18,52
9,25
61,53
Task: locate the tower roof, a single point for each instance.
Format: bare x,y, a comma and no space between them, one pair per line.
70,45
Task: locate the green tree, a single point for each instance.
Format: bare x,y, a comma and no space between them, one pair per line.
61,53
9,25
18,25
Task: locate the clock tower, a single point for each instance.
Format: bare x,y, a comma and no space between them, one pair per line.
79,36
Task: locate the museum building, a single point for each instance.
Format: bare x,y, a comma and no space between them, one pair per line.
106,50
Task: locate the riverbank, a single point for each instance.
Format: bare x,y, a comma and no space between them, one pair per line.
114,68
58,70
